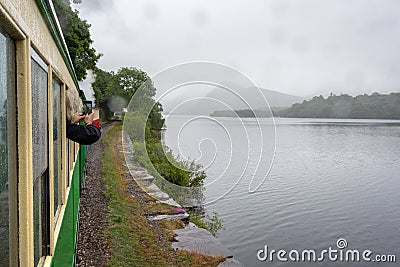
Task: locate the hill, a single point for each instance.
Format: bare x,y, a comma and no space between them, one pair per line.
206,102
375,106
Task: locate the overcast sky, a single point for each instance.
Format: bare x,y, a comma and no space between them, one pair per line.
300,47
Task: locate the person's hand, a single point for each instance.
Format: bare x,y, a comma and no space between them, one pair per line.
77,118
88,119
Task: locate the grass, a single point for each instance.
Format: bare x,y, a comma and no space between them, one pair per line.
133,240
198,220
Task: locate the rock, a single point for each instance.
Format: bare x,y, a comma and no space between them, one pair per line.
159,195
200,240
183,217
154,191
191,225
138,174
153,187
170,202
148,178
230,262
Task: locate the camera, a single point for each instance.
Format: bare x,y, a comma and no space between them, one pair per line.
87,107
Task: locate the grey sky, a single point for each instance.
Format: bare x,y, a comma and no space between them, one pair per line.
300,47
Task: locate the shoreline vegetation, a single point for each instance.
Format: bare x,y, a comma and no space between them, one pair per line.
374,106
133,240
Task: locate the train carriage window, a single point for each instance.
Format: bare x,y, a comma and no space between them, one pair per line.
7,68
40,150
56,90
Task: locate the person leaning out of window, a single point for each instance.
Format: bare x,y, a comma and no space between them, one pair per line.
83,134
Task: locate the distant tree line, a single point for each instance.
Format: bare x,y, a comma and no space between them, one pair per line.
375,106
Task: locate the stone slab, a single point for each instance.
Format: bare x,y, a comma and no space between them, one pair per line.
138,174
153,187
199,240
148,178
159,195
170,202
184,216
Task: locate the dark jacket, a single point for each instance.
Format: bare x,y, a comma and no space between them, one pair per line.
84,135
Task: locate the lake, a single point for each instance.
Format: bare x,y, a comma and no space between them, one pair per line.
330,179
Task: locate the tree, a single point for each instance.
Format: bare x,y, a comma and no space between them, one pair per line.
125,84
128,80
102,88
77,37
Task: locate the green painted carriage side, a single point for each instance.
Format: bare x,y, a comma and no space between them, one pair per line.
64,252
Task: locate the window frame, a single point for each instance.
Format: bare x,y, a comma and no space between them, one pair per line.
12,154
60,188
45,178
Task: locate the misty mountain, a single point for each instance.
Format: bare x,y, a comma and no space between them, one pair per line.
198,102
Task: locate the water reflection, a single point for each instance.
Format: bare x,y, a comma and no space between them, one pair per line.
330,179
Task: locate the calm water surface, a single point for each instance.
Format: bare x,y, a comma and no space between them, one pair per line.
330,179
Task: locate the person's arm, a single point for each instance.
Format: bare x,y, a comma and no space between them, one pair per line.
83,134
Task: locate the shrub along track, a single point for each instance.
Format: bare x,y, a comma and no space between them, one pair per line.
113,228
